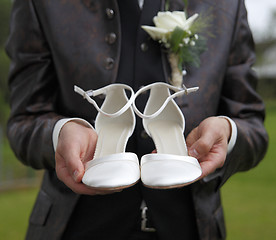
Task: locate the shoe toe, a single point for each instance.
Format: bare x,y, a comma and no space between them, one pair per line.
112,175
169,173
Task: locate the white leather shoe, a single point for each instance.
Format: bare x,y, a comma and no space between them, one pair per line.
171,166
112,168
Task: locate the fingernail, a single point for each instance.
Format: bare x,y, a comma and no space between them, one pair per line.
75,175
194,153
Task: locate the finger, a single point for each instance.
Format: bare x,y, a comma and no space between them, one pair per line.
71,160
77,187
207,168
61,169
202,145
214,160
81,188
192,137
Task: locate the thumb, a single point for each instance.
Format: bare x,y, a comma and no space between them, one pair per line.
68,161
201,146
75,168
73,160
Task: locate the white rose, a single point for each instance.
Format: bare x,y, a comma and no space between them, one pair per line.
166,22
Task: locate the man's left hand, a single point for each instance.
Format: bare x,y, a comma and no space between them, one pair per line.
208,143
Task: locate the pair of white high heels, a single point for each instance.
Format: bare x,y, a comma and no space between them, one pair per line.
112,168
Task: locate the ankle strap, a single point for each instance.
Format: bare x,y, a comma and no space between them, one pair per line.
104,90
178,92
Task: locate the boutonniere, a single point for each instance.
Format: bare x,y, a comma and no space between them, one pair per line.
180,37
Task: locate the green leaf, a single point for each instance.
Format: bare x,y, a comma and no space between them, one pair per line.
191,54
176,39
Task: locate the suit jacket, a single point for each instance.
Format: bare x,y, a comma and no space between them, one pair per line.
56,44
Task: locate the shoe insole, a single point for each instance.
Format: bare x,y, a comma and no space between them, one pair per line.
112,139
168,137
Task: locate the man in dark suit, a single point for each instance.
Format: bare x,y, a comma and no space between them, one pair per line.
54,45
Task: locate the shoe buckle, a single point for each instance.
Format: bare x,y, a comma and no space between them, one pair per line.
90,93
144,221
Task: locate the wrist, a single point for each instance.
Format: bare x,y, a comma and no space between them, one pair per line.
227,128
232,134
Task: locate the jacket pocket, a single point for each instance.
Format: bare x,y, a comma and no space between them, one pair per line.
41,209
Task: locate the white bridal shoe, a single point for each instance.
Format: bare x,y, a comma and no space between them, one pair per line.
112,168
171,166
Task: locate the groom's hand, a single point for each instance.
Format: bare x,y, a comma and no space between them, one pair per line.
76,146
208,143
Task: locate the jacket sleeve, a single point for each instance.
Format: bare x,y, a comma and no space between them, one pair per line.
242,104
33,87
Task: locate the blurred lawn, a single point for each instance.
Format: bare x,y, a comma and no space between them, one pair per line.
249,199
15,207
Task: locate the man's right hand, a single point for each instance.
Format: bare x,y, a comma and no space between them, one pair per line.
76,146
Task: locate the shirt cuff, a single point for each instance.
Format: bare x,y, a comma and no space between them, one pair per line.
61,123
233,136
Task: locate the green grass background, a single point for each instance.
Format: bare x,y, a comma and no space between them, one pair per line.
249,199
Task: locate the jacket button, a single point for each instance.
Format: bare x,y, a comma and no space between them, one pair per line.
109,63
92,5
111,38
109,13
144,47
